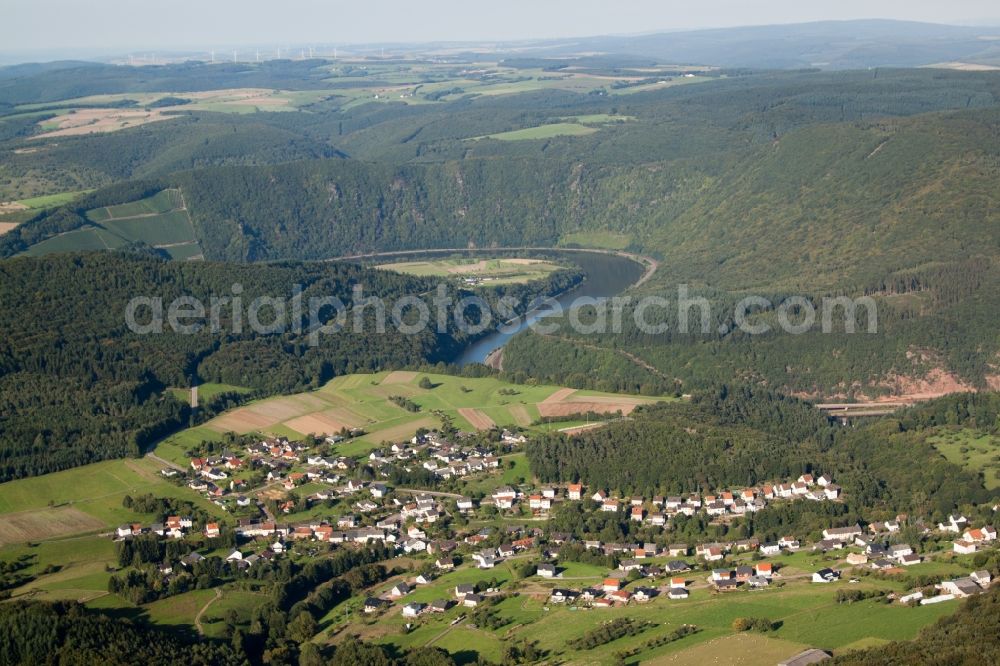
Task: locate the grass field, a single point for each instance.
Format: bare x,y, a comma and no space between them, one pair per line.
972,450
497,271
549,131
808,616
161,221
51,200
362,401
81,500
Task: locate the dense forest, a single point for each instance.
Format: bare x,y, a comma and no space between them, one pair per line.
76,385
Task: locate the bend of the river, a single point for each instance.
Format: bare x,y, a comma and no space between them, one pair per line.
607,274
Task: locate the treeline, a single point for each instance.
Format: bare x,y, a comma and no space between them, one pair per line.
67,632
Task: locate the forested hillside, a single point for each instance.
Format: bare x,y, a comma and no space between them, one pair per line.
76,385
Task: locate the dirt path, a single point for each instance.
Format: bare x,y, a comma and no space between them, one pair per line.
197,618
153,456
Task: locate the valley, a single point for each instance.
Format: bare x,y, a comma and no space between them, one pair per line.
671,347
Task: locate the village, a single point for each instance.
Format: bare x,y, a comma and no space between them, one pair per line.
300,499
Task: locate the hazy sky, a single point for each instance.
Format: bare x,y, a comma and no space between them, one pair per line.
128,24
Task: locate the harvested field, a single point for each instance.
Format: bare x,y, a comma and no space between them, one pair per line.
318,424
559,395
520,414
400,377
45,524
90,121
739,650
6,226
608,399
478,420
241,421
570,408
402,431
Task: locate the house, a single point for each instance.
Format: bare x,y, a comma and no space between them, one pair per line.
484,560
464,589
423,579
677,550
744,572
726,585
413,609
414,546
758,582
857,559
472,600
642,594
964,547
611,585
574,491
678,566
789,542
914,596
899,550
603,602
464,504
620,596
678,581
637,514
677,593
600,496
212,530
764,569
546,570
770,548
439,606
824,480
721,574
955,524
610,506
191,559
714,554
560,596
374,604
234,556
444,563
842,533
961,587
399,590
826,575
909,560
832,491
982,578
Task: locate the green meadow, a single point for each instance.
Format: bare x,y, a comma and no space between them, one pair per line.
363,401
972,450
161,221
549,131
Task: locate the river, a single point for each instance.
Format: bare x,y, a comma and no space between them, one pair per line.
607,274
